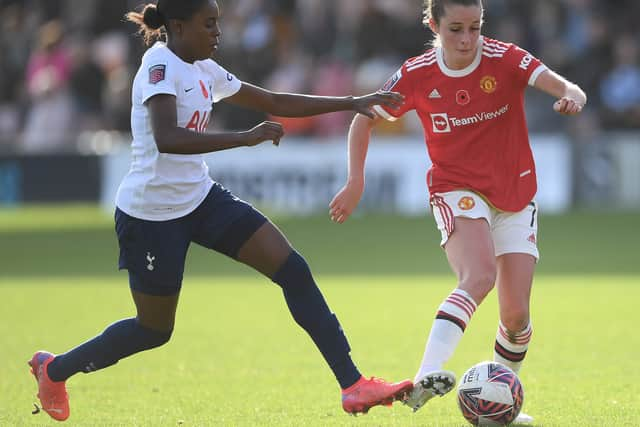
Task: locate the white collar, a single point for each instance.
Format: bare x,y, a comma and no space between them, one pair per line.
463,72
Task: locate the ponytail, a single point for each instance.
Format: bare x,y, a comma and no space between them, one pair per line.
150,22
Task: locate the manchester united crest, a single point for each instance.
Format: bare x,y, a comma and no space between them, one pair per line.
488,84
466,203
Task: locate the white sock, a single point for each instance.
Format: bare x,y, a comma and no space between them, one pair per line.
451,320
511,347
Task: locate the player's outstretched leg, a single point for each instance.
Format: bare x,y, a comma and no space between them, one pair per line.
52,394
366,393
311,312
435,383
269,252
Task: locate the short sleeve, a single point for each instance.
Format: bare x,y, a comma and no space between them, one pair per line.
159,75
525,67
225,84
399,82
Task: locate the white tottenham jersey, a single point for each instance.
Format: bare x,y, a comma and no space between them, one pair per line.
162,186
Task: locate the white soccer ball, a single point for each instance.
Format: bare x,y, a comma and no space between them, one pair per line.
490,394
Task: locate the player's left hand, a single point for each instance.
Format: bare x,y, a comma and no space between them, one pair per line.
345,201
567,106
363,104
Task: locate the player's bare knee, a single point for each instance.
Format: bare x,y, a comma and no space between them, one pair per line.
515,321
478,285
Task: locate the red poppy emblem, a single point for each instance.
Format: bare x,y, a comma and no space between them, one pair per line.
462,97
204,89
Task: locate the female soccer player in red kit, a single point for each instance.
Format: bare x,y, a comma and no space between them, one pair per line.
167,200
469,94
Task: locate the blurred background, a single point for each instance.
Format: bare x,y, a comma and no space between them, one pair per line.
67,68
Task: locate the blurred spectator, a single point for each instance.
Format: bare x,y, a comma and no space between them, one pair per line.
111,53
50,114
330,47
620,89
293,76
87,86
586,71
14,54
332,78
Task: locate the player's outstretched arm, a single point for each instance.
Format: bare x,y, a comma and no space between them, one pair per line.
346,200
297,105
172,139
571,99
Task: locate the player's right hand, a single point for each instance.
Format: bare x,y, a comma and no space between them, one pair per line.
345,201
265,131
364,104
567,106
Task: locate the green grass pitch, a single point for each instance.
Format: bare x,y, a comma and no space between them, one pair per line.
237,359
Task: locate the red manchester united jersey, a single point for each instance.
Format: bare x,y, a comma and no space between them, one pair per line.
474,121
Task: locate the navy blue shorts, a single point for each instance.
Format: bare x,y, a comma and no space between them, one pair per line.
154,252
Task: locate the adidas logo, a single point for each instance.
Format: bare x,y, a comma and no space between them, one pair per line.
434,94
532,238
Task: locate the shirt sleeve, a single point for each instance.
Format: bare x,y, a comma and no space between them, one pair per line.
399,82
160,76
225,84
525,67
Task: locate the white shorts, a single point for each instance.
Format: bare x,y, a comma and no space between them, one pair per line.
512,232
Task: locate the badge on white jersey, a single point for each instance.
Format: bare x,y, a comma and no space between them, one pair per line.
157,73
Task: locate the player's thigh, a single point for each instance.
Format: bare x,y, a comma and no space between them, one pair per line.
463,219
235,228
517,232
266,250
153,252
448,207
469,251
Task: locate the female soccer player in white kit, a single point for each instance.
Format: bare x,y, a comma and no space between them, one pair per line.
167,200
469,94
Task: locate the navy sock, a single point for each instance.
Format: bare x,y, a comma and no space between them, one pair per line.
309,309
121,339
